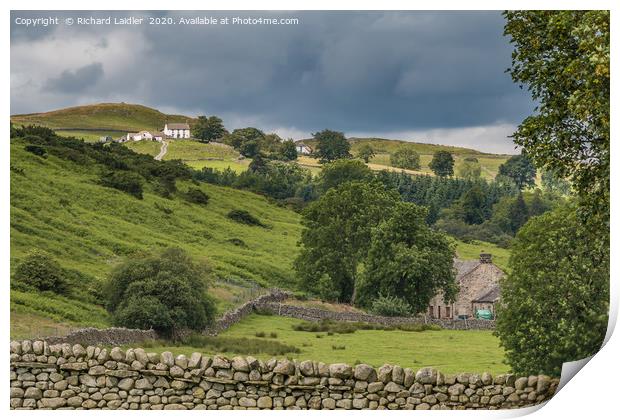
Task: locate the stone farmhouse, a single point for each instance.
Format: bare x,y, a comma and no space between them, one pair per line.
478,282
145,135
177,131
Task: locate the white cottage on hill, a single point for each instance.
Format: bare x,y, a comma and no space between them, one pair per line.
177,130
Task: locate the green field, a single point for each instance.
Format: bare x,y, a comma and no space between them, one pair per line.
57,206
105,116
447,350
471,251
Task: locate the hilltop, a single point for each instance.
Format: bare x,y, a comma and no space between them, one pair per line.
90,121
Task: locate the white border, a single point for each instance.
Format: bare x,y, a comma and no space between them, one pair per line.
590,394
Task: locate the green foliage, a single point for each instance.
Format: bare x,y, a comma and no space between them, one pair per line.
332,327
42,272
406,158
36,150
128,182
196,196
258,164
164,291
442,163
469,168
562,57
207,129
340,171
336,237
520,170
237,345
249,148
551,182
555,300
366,152
288,150
331,145
407,259
390,306
245,217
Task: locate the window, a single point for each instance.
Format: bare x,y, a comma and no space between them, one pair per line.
438,311
430,311
448,314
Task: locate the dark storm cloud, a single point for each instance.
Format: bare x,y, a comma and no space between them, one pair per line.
353,71
76,81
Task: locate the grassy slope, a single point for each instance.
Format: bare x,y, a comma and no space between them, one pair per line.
448,351
57,206
106,116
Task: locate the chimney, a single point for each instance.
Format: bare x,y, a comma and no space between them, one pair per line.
486,258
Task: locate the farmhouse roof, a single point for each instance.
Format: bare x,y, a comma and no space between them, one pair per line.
489,296
177,126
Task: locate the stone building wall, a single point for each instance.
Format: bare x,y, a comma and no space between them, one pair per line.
65,376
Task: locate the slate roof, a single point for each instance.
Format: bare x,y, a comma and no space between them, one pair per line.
178,126
489,296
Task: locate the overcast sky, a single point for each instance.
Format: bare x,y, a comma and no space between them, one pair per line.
436,77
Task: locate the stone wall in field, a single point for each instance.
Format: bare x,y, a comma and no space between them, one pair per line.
232,317
316,314
107,336
65,376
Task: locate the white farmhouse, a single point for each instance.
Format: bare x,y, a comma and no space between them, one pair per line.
177,131
303,149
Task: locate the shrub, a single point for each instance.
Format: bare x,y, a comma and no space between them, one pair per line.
263,311
166,291
273,335
390,306
42,272
36,150
197,196
260,334
243,216
164,209
335,347
237,242
125,181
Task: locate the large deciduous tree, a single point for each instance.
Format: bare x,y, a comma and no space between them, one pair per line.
208,128
408,260
336,237
520,170
340,171
442,163
331,145
366,152
555,299
562,58
406,158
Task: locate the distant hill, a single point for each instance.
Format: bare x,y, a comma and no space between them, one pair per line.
101,118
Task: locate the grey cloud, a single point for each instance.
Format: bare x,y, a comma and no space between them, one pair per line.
76,81
351,71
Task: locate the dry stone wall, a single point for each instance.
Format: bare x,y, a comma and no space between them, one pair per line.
108,336
316,314
65,376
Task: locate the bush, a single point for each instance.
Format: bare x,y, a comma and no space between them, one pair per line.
128,182
197,196
243,216
237,242
390,306
241,345
36,150
165,291
42,272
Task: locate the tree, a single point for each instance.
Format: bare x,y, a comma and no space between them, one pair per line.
340,171
41,271
331,145
470,168
562,57
555,299
207,129
406,158
409,260
471,206
554,184
240,136
258,164
249,148
366,152
518,213
520,170
288,150
166,291
442,163
336,236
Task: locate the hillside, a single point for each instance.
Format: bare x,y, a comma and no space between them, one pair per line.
92,121
59,207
